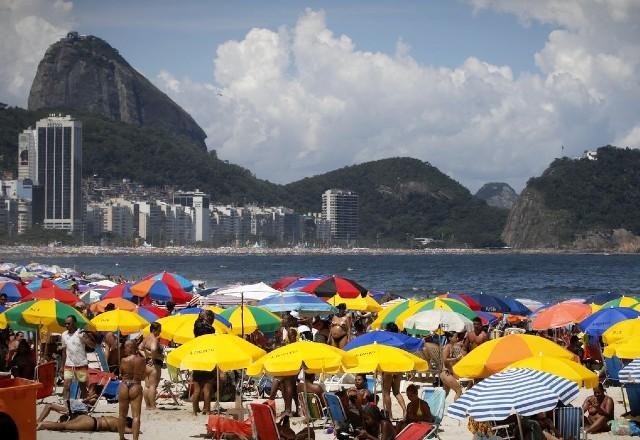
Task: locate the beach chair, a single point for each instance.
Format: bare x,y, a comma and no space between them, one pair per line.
338,381
612,366
415,431
437,403
633,393
264,423
102,358
570,422
503,431
338,415
426,393
312,409
46,375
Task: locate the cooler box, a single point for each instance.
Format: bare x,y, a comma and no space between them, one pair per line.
18,402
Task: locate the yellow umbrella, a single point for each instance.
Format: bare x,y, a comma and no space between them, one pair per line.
493,356
312,357
385,359
389,314
624,350
363,304
226,352
3,321
179,328
120,320
629,329
562,367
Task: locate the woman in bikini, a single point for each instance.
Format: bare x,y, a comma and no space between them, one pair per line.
84,422
132,369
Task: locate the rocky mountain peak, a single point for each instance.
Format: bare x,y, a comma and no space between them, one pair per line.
498,195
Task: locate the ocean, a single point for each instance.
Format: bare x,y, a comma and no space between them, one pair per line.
543,277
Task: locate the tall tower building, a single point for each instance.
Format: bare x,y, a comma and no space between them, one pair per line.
58,172
340,209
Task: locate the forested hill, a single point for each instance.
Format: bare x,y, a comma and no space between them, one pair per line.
402,198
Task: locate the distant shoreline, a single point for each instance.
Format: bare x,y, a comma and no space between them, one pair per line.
65,251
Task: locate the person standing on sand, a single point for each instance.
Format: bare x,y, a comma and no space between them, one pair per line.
132,370
391,383
74,356
152,351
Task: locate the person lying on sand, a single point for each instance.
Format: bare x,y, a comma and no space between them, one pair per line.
84,422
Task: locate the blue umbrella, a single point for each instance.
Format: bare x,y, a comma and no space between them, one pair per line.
490,303
600,321
631,372
303,281
392,339
487,318
189,311
298,301
602,298
37,284
516,307
519,391
146,314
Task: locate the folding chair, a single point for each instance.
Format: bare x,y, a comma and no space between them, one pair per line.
264,423
415,431
337,414
437,403
312,409
102,358
612,366
337,381
570,422
46,375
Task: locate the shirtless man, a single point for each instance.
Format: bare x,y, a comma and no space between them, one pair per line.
152,352
341,325
132,370
359,395
478,336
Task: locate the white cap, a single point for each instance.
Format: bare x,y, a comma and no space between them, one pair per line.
295,314
303,328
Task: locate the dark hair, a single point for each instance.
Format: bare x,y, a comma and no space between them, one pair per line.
170,305
210,315
478,320
412,388
372,411
155,326
392,327
109,307
73,318
3,296
341,306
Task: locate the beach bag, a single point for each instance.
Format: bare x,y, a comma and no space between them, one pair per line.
620,426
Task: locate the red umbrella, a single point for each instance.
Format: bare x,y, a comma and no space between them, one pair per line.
283,282
470,302
53,293
161,313
122,291
327,287
161,291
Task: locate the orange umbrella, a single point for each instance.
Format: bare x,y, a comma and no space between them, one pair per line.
560,315
119,303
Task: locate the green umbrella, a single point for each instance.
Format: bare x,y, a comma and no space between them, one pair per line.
246,319
623,301
44,314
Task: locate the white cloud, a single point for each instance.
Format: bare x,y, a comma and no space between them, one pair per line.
27,28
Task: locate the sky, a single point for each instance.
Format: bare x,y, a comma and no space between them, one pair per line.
484,90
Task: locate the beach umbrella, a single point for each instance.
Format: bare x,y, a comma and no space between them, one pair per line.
519,391
496,354
190,311
304,281
516,307
146,314
14,291
486,317
91,296
432,320
490,303
600,321
3,321
283,282
158,311
119,303
103,284
560,315
119,320
602,298
171,278
223,351
45,313
532,304
159,290
391,339
466,299
53,292
629,330
363,304
312,357
121,290
334,285
563,367
249,292
43,282
303,302
436,303
179,328
247,319
382,358
623,350
630,373
623,301
390,314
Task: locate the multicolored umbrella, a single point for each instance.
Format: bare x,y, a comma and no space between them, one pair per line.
490,303
283,282
391,314
171,278
304,281
466,299
602,298
391,339
560,315
486,317
434,304
516,307
602,320
299,301
120,291
53,292
334,285
44,282
159,290
118,303
247,319
147,314
359,303
623,301
428,321
44,313
119,320
14,291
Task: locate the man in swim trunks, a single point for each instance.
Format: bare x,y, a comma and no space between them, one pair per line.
132,370
74,355
359,395
598,411
152,351
478,336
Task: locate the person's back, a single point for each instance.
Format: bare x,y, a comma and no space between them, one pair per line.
132,370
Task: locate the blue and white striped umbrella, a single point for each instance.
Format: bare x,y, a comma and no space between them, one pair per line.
298,301
631,372
514,391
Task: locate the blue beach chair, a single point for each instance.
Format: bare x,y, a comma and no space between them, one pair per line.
437,401
337,414
570,422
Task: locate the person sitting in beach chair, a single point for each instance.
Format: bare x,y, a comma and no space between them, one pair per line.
598,411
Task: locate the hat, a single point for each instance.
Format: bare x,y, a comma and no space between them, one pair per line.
295,314
303,328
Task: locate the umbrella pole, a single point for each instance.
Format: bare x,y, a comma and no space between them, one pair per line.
217,390
519,425
304,400
242,312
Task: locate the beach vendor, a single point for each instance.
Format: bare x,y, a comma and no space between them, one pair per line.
598,411
152,351
74,355
132,369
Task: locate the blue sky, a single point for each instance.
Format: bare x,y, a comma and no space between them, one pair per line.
485,90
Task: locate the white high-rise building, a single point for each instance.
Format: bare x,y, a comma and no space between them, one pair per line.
340,209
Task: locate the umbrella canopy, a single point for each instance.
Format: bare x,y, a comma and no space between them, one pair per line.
434,304
304,281
600,321
119,303
120,291
629,330
43,282
391,339
516,307
299,301
46,313
515,391
390,314
313,357
14,291
247,319
496,354
283,282
623,301
623,350
490,303
466,299
327,287
123,321
363,304
630,373
53,292
179,328
158,311
147,314
159,290
386,359
250,292
532,304
91,296
602,298
226,352
432,320
172,278
562,367
560,315
486,317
